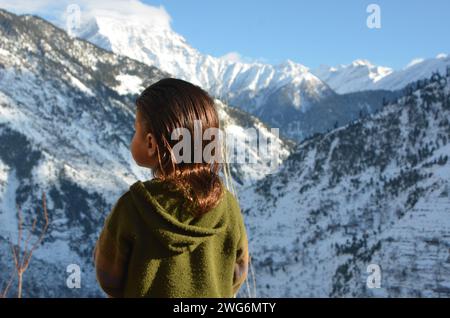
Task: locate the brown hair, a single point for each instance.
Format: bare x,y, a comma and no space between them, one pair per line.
173,103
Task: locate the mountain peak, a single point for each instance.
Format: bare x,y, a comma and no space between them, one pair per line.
357,76
288,63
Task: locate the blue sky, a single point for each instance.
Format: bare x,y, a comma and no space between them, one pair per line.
314,32
308,32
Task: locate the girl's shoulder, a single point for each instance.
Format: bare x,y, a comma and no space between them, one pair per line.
233,205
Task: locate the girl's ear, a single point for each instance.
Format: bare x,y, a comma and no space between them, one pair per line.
151,144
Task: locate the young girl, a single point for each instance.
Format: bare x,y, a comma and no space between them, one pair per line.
180,234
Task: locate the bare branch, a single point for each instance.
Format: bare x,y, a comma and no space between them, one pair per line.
22,259
8,285
19,233
29,237
41,237
16,260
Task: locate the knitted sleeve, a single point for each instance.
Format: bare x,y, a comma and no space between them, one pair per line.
112,251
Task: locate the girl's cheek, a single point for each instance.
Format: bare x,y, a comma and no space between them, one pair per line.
133,147
137,151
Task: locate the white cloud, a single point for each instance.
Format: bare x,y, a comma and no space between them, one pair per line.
236,57
129,9
118,9
23,6
38,7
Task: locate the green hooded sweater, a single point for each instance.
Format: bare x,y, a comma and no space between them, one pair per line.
151,247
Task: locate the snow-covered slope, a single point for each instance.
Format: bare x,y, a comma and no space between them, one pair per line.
416,70
361,75
66,122
357,76
376,191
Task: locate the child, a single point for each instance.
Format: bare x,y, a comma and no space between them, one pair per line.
180,234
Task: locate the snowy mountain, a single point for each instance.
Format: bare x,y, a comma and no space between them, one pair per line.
287,96
357,76
376,191
271,92
331,112
361,75
248,85
414,71
66,122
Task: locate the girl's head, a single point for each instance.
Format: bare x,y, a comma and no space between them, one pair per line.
161,109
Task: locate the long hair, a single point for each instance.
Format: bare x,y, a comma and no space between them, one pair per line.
170,104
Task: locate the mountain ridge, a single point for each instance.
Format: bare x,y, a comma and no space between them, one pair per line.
362,75
374,191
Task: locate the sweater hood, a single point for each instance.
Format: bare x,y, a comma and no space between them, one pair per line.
177,229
